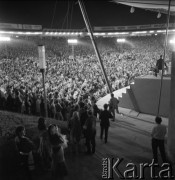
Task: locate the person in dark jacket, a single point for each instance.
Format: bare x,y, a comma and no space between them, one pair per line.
24,147
160,64
17,102
10,102
90,126
95,108
104,117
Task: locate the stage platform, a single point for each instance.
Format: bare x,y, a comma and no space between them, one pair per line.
143,95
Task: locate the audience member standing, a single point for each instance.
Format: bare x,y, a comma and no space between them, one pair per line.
75,131
104,123
160,65
24,147
90,126
113,105
158,137
44,149
58,143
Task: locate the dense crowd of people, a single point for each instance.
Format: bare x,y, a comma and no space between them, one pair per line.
73,85
67,79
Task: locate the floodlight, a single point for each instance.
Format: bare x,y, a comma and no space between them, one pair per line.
172,41
72,41
120,40
4,38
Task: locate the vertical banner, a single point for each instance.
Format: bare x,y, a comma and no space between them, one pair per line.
42,59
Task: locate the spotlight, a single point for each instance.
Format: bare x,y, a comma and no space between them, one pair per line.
132,10
172,41
158,15
121,40
4,38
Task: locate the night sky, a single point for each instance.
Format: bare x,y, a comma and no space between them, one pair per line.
68,15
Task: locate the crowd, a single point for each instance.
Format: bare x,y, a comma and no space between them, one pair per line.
73,86
69,79
44,152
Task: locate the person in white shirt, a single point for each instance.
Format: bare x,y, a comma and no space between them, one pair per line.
158,135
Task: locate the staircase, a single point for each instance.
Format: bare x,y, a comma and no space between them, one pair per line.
143,96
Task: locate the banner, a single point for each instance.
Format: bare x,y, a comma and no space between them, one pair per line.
137,27
32,27
10,26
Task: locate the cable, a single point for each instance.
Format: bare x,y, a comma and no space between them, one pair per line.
88,25
71,14
65,18
164,55
54,11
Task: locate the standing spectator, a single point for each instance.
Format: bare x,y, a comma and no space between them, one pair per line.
58,107
83,115
33,104
160,65
42,107
158,136
10,102
95,108
23,108
75,131
53,109
58,143
113,105
24,147
17,102
41,125
104,123
44,149
38,102
2,100
90,126
27,104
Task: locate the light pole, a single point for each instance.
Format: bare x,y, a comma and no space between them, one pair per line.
72,42
42,66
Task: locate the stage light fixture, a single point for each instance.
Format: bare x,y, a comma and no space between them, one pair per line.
72,41
172,41
121,40
2,38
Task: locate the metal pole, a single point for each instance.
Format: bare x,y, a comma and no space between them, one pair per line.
171,122
88,26
45,99
164,55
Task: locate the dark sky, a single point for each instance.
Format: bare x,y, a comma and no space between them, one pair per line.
68,15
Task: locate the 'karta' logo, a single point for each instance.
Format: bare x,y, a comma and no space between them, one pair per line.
112,166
